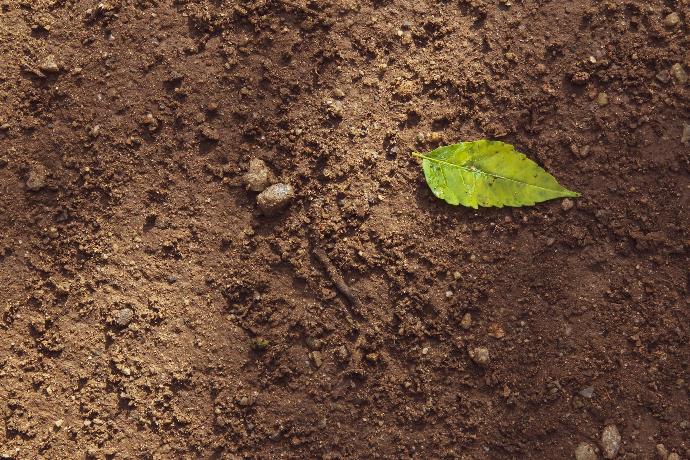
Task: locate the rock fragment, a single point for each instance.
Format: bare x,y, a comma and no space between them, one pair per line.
585,451
685,137
661,452
275,198
48,65
664,76
602,99
580,78
672,20
258,177
123,317
36,179
150,122
567,204
466,321
610,441
208,133
480,356
587,392
244,401
316,358
679,73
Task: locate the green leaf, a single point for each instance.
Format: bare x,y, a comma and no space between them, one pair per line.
488,173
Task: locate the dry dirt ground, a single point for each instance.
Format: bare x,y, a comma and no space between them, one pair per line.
149,310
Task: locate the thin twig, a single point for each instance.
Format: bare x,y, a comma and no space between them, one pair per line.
337,279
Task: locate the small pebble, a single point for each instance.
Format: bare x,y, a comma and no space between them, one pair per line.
585,451
209,133
587,392
275,198
567,204
580,78
602,99
371,357
37,179
258,177
661,452
151,122
342,354
48,65
260,344
466,321
679,73
685,137
664,76
480,355
123,317
672,20
610,441
316,358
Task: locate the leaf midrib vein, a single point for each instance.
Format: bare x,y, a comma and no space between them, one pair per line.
479,171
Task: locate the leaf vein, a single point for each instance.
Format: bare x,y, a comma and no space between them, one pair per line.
478,171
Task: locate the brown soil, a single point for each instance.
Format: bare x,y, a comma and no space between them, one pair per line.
149,310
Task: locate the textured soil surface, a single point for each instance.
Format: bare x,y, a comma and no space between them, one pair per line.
149,309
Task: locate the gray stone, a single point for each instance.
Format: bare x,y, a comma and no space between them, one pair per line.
664,76
587,392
